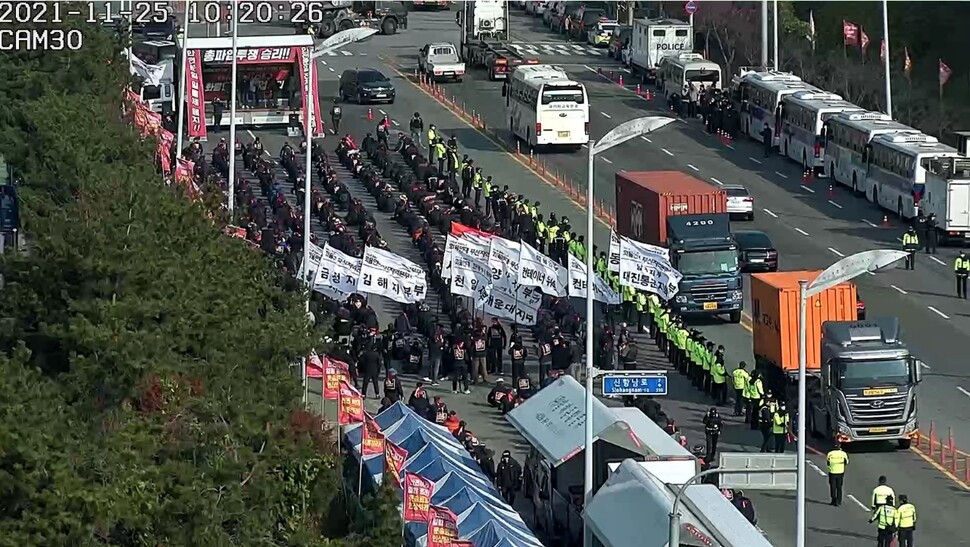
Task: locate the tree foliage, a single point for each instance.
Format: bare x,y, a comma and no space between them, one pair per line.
146,391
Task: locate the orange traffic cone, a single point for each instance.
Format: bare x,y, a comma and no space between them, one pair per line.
831,191
806,176
370,114
621,80
647,95
885,221
638,90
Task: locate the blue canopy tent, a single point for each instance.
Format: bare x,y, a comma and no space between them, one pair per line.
479,521
433,451
453,482
391,419
468,496
438,468
495,534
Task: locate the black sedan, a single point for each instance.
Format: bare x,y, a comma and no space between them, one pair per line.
756,251
366,85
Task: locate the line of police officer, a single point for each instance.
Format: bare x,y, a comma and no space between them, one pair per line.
927,226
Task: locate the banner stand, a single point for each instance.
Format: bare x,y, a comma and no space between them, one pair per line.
360,471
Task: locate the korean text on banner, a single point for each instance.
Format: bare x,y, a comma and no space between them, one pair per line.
392,276
578,280
538,270
417,498
337,273
645,272
164,150
316,253
351,406
469,244
372,439
520,305
503,259
394,458
470,276
442,527
614,256
314,366
657,253
310,88
334,373
195,97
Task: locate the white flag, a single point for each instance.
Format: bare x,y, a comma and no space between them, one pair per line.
151,74
642,269
469,244
337,274
657,253
386,274
538,270
315,253
503,259
578,280
614,256
470,276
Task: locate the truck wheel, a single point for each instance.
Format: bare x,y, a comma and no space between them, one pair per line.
389,27
327,28
734,317
346,24
904,444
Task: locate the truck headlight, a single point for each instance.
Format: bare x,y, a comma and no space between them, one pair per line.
680,299
844,429
911,426
737,295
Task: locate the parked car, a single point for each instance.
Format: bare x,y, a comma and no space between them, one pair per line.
600,35
366,85
860,308
619,40
740,204
585,21
756,252
536,8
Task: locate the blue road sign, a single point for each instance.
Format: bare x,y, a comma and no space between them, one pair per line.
652,384
690,7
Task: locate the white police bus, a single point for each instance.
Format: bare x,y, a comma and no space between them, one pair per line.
896,172
758,97
803,116
847,137
546,108
677,71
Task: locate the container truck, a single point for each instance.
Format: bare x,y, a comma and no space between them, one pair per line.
485,38
653,39
861,377
689,217
946,194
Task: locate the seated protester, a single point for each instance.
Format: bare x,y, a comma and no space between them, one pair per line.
498,393
524,390
551,377
414,363
453,424
440,411
385,404
743,503
485,459
418,400
400,349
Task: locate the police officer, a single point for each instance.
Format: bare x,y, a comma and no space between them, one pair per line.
767,138
779,427
836,460
467,174
962,268
756,391
740,379
712,430
885,518
881,494
931,234
440,154
432,137
335,114
905,521
453,164
911,245
719,380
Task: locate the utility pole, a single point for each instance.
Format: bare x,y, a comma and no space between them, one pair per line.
630,6
764,34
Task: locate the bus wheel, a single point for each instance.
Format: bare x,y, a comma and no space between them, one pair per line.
875,196
899,208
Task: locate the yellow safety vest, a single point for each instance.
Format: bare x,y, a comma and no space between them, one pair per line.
740,377
906,516
910,240
886,515
836,459
962,265
718,373
780,423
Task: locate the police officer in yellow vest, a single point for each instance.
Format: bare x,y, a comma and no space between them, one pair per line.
962,268
779,427
488,190
739,379
540,234
756,391
432,136
663,319
640,301
706,380
440,155
910,245
885,518
905,521
719,381
836,460
881,493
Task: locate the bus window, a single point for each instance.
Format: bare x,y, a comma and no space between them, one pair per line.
706,75
562,94
151,92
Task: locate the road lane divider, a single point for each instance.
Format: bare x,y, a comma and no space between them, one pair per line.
857,502
835,204
943,455
900,291
870,223
836,252
937,260
668,152
803,232
938,312
770,213
605,115
780,174
756,160
692,167
807,189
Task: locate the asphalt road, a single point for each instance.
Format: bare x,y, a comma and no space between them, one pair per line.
679,147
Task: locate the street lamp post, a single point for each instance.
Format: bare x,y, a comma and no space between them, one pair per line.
232,118
615,137
844,270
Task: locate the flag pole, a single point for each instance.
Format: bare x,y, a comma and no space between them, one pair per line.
885,62
360,470
232,125
183,100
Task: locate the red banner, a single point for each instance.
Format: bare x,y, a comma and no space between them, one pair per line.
311,90
462,543
850,33
251,56
372,438
195,98
351,405
147,122
164,150
417,498
459,230
334,372
314,367
442,527
394,458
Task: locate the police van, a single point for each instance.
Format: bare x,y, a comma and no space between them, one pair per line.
653,39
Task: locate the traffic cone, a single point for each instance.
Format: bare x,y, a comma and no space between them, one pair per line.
885,221
638,89
370,114
621,80
599,70
806,176
611,74
831,191
647,95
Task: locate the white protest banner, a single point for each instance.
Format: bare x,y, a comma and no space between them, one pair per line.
602,292
393,276
660,254
614,255
337,274
503,259
315,252
521,306
470,276
538,270
646,272
469,243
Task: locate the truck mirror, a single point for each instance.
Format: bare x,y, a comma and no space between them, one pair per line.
919,371
458,18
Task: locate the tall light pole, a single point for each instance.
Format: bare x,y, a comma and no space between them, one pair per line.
615,137
183,100
232,118
885,57
764,34
844,270
774,23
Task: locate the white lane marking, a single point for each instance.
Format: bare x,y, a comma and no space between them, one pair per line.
607,160
589,68
836,252
668,152
782,175
857,502
346,53
692,167
717,182
330,68
755,160
324,63
924,365
646,139
870,223
803,232
770,213
815,467
382,112
938,312
937,260
606,115
807,189
963,391
729,146
395,122
836,204
900,291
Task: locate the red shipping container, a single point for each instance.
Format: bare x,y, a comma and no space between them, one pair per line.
645,199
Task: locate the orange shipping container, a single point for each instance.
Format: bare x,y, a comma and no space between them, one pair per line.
774,303
644,200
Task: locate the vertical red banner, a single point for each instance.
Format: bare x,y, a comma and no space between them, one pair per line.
334,372
417,498
394,458
311,90
372,439
164,150
351,405
195,94
314,366
442,527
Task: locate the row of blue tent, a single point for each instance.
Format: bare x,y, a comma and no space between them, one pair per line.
484,518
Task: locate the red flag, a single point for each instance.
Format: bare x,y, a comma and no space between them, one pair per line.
882,51
462,543
460,230
314,367
442,527
334,372
350,406
850,33
164,150
184,173
417,498
394,458
945,73
372,438
907,63
864,41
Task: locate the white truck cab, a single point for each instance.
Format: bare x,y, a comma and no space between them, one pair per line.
440,61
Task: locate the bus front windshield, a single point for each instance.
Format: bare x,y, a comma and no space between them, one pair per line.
562,94
872,373
703,75
708,262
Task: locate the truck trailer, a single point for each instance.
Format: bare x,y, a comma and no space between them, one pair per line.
485,38
689,217
946,194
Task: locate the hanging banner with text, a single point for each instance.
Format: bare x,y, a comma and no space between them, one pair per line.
337,274
394,458
417,498
334,373
442,527
316,253
578,279
521,305
643,270
372,439
351,405
538,270
469,244
392,276
503,259
614,255
470,276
